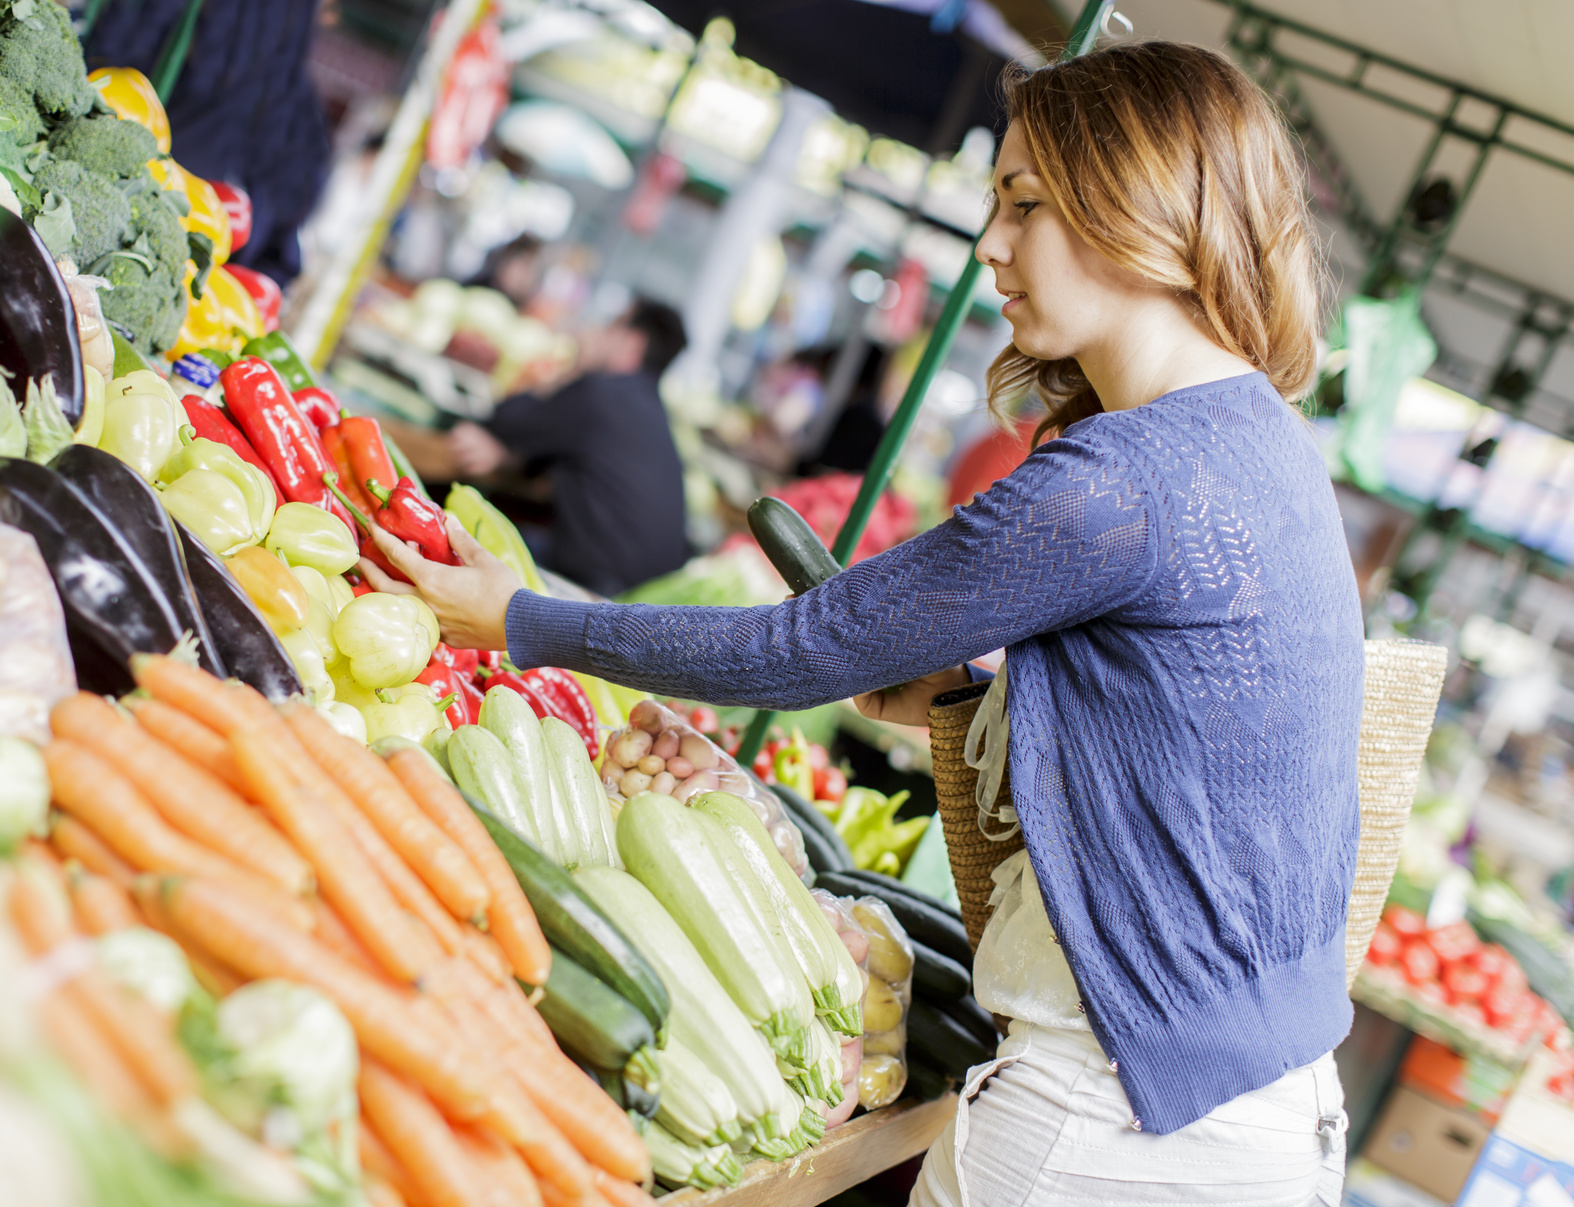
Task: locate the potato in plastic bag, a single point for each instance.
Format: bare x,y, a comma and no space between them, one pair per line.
36,671
883,952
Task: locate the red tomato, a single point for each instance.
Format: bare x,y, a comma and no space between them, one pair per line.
1386,946
1504,1005
830,784
1454,941
1419,963
819,756
1512,976
728,740
1430,993
1491,960
765,766
1406,923
705,719
1464,981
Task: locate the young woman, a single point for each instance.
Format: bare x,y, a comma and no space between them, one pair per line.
1169,577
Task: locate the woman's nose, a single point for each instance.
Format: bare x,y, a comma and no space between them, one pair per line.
992,249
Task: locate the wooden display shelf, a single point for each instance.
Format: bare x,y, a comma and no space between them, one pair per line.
847,1156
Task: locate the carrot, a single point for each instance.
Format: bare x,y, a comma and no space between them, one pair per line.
379,1193
620,1193
212,974
551,1196
75,1037
390,1023
378,793
180,731
513,923
332,931
486,954
377,1159
40,908
101,905
508,1181
420,1135
192,800
298,807
230,708
75,841
100,797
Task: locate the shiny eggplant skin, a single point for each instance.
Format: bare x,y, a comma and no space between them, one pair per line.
116,490
244,640
113,608
38,323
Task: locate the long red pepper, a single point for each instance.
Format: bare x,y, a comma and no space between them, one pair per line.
411,516
319,406
211,424
463,661
448,683
568,702
363,441
334,445
261,403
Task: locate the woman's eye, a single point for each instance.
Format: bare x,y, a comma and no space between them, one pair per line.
1025,207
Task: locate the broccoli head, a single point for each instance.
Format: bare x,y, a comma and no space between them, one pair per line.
149,304
40,54
166,238
20,119
99,208
105,144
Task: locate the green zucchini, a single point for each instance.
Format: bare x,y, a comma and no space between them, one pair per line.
966,1012
946,1044
678,1164
596,1025
482,769
584,800
506,716
634,1098
785,537
695,1105
576,925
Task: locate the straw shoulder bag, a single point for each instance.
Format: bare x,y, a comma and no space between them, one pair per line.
1403,682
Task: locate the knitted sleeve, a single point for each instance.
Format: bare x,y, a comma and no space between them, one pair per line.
1069,536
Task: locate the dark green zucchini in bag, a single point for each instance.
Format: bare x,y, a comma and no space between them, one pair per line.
242,637
936,976
117,490
943,1042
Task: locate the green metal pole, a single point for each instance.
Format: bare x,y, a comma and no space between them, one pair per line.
1083,36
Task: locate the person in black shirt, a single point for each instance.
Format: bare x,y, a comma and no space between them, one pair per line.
616,484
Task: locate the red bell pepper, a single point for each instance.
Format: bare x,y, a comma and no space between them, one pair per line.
369,549
333,444
261,404
550,692
451,685
211,424
319,406
465,662
489,662
411,516
363,440
264,291
237,206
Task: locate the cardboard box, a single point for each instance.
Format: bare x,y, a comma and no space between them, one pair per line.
1510,1175
1426,1143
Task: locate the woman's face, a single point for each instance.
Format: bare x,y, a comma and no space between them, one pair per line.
1061,293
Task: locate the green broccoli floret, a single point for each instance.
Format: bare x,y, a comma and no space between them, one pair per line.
99,208
149,305
18,116
40,52
105,144
166,238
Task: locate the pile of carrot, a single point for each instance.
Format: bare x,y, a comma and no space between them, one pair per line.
268,845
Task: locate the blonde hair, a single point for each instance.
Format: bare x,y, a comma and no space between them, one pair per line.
1171,162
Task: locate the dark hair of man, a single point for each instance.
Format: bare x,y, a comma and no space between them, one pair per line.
662,328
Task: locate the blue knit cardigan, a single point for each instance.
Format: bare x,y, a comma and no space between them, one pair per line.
1185,641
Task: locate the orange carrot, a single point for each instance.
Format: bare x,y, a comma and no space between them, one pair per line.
40,908
100,797
212,974
185,733
378,1160
378,793
620,1193
101,905
486,954
379,1193
332,931
506,1178
414,1129
230,708
278,781
192,800
74,1035
513,923
75,841
389,1023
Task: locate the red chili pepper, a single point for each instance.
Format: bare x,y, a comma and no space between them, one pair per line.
264,291
567,700
211,424
363,440
448,684
463,661
334,445
362,587
514,681
411,516
319,406
261,404
489,662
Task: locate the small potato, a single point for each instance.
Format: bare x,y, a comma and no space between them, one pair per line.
647,715
651,765
886,1043
663,782
628,749
666,743
634,782
735,782
888,959
880,1081
882,1008
680,766
857,944
698,751
700,781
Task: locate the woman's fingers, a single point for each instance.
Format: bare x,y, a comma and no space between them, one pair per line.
471,551
401,556
379,581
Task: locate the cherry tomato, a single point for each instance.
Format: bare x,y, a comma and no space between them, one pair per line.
1492,960
1419,963
705,720
1386,946
830,783
1406,923
1454,941
1463,981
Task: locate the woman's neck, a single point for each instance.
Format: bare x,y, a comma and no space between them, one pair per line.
1156,350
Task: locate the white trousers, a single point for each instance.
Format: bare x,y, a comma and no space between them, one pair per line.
1048,1123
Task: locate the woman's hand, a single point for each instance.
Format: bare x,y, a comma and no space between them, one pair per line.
909,703
470,601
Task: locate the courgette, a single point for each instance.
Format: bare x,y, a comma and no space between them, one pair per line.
923,918
574,924
944,1042
482,768
506,716
785,537
696,1105
627,1093
924,1081
678,1164
686,860
938,976
816,828
584,800
595,1024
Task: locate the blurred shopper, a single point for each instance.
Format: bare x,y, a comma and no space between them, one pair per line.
600,451
243,110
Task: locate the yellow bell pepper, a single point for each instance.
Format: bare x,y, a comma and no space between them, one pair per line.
207,216
204,326
91,428
132,96
241,317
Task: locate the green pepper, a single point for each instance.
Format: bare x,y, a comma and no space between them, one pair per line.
388,639
793,768
213,508
412,711
127,358
309,536
198,452
276,349
139,422
495,532
303,652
